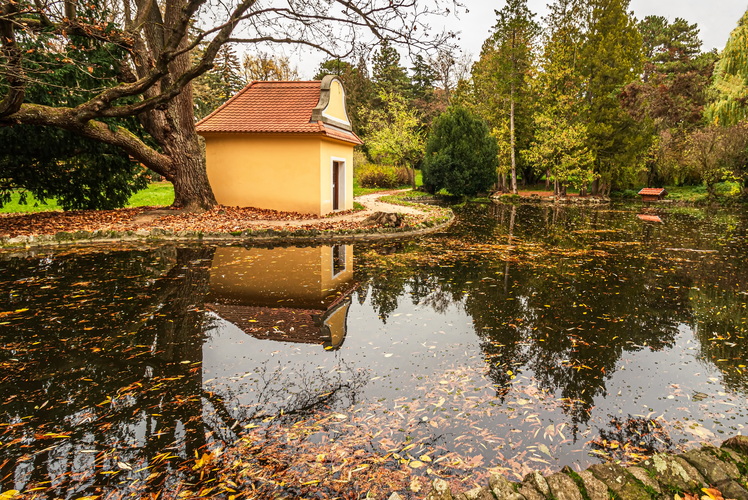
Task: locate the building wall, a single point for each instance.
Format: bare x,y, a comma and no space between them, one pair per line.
328,151
271,171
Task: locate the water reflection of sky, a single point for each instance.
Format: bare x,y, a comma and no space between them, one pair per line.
527,337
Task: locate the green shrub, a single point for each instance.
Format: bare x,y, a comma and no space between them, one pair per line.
377,176
461,155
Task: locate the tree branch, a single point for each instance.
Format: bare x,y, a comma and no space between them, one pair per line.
66,118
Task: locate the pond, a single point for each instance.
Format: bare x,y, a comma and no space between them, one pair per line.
523,338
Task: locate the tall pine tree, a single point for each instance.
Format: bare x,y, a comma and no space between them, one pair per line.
387,73
561,148
501,80
612,57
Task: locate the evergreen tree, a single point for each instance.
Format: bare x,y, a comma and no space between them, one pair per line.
561,128
560,150
387,73
422,81
670,98
215,87
731,79
501,79
426,99
461,154
49,162
611,58
668,47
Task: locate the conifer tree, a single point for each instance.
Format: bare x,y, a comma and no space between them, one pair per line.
461,155
388,75
215,87
612,57
669,100
501,79
422,82
561,149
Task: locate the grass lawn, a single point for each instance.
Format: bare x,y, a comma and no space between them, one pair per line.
156,194
32,205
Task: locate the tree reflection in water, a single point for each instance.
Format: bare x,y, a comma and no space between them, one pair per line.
102,386
526,335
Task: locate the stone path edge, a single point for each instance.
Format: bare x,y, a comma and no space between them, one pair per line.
708,473
247,236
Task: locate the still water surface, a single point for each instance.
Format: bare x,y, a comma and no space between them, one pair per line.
525,337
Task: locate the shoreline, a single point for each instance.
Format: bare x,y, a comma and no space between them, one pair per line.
158,225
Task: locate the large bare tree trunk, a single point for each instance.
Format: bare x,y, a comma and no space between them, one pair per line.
192,190
173,126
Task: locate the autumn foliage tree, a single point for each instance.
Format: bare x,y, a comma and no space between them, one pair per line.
718,154
669,99
394,137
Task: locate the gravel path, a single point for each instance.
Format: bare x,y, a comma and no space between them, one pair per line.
372,204
370,201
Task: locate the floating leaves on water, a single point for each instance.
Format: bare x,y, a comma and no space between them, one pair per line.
568,334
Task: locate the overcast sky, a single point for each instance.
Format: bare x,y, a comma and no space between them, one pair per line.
715,18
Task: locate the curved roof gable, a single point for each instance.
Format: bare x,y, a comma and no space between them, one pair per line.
282,107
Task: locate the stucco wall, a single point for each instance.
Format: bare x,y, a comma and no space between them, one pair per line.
278,172
330,150
291,173
336,106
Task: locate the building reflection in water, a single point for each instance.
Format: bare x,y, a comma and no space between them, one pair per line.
287,294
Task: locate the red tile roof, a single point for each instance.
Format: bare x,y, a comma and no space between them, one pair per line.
652,191
273,107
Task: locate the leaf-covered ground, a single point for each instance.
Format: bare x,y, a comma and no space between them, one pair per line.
217,220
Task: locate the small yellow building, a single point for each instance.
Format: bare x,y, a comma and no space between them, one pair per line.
284,146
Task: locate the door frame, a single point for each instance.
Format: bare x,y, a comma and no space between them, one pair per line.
341,198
